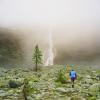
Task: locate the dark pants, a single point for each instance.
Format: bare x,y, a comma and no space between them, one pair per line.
73,79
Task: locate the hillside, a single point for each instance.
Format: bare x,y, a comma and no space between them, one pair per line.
49,83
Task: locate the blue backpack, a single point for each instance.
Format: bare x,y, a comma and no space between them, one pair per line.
72,74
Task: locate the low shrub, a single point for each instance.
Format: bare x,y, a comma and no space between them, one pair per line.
61,77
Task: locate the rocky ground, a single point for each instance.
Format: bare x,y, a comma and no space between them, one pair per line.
49,83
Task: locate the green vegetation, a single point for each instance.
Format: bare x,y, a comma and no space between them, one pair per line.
61,77
37,56
51,83
25,90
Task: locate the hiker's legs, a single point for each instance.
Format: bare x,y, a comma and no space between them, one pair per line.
72,79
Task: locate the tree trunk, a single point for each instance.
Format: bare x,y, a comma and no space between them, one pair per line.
36,66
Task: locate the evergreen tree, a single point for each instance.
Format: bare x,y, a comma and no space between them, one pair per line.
37,56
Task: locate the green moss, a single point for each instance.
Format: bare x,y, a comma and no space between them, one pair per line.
58,84
91,98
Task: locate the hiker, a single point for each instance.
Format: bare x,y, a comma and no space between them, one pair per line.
73,76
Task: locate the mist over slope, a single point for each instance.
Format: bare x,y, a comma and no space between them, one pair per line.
16,46
74,25
10,48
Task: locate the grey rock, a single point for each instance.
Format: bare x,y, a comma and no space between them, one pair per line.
61,89
88,77
88,81
95,87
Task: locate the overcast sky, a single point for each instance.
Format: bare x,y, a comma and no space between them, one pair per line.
15,12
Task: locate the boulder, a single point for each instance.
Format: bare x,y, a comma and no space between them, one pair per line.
95,87
61,89
14,84
88,81
88,77
3,93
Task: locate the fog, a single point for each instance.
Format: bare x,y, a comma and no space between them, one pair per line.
74,24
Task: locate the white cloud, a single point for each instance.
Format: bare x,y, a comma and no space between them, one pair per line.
48,11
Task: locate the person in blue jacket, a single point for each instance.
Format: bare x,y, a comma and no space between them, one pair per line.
73,76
